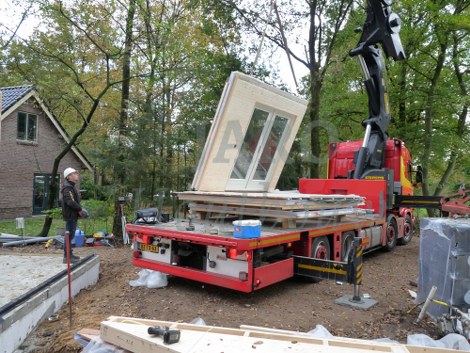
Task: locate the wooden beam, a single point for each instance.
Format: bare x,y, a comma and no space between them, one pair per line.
131,334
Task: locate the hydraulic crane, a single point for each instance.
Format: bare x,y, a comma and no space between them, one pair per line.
381,26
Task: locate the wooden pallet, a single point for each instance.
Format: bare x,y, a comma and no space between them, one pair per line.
286,207
131,334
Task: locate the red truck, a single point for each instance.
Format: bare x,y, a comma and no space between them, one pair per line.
290,240
250,264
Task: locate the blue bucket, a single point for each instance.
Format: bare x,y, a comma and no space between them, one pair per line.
247,228
79,238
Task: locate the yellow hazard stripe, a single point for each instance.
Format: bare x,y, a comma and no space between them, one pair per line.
421,202
339,228
322,269
359,252
262,241
359,275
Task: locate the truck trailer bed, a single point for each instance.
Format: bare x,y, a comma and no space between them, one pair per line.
207,251
221,233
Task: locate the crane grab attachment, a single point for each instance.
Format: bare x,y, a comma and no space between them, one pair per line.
381,26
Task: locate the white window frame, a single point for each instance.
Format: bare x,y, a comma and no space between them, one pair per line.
28,116
250,182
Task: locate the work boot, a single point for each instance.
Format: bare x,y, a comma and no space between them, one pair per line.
73,259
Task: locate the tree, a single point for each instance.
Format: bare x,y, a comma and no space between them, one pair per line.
123,116
433,105
61,64
181,49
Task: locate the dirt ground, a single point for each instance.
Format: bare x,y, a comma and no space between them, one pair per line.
292,304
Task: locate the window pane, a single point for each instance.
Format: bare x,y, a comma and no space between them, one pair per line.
32,124
270,148
242,164
21,126
39,190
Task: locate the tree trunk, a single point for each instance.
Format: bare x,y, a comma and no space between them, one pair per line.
461,126
123,117
428,119
314,115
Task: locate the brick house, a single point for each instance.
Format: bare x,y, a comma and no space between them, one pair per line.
30,139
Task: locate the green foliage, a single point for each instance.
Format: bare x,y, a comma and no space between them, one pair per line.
90,190
100,216
55,213
181,57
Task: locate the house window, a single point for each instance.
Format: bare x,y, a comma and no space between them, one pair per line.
27,127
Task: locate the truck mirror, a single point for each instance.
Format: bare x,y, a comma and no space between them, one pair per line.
419,175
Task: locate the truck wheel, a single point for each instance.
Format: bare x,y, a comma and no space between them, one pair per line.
321,248
391,234
346,245
407,231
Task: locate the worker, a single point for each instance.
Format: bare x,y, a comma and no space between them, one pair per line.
71,209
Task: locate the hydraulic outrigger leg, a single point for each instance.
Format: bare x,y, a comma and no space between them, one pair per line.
350,272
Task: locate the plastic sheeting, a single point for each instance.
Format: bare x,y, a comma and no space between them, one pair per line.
450,341
150,279
444,262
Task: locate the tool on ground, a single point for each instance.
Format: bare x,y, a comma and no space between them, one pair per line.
101,239
125,237
169,336
48,243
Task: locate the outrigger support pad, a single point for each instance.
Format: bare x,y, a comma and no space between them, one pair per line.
355,301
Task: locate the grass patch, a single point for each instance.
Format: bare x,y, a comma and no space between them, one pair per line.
33,226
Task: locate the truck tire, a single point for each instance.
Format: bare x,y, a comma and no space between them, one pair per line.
321,248
407,231
391,234
347,239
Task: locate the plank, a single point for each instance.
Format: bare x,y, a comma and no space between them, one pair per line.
281,195
283,201
274,213
131,334
88,333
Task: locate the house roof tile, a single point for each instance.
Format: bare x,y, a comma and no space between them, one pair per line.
11,95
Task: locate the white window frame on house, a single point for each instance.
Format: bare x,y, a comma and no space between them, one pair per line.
27,133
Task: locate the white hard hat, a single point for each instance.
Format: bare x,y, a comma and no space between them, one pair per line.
69,171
